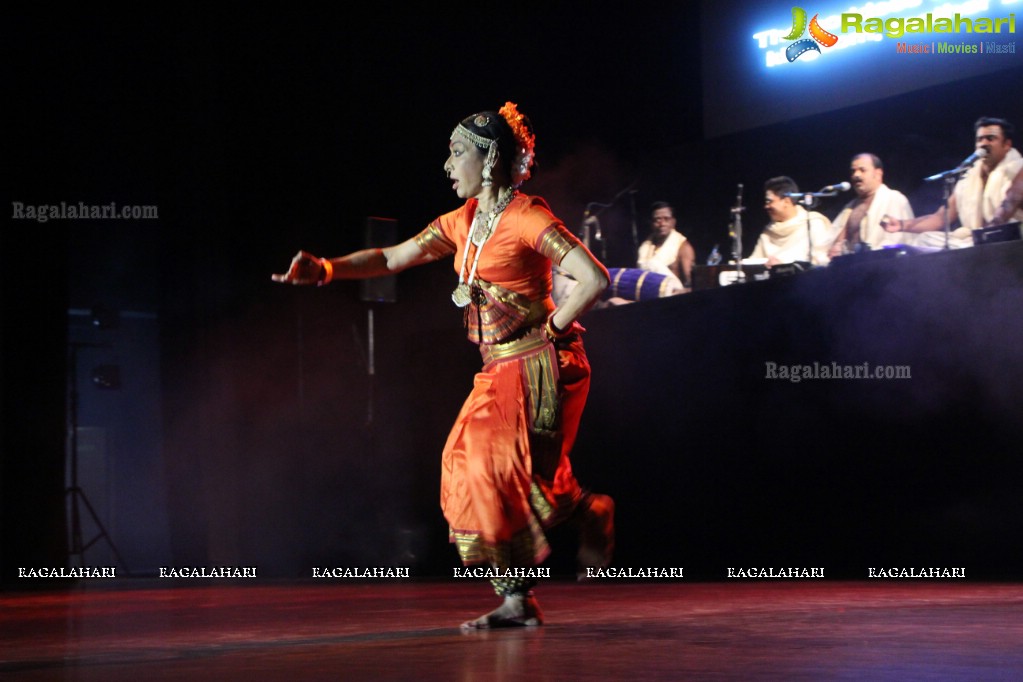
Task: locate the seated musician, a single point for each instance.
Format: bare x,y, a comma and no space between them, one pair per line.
667,251
979,195
858,226
793,232
664,263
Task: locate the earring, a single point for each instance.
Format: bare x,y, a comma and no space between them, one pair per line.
488,164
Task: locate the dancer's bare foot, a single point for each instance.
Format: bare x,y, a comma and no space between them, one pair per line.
596,533
517,610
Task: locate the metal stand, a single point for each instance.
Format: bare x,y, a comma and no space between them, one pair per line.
809,200
591,217
632,213
736,234
592,222
74,491
370,364
951,178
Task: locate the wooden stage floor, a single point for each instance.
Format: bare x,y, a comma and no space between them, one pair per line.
152,631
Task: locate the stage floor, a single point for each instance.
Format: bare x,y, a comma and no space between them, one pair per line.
146,630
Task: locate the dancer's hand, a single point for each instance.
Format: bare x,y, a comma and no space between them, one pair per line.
305,269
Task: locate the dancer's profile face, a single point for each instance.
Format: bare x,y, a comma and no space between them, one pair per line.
464,166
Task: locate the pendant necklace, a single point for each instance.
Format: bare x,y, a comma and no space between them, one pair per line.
480,231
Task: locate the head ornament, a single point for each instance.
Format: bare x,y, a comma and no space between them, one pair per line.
525,142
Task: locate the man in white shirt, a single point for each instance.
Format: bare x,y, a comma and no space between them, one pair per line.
794,233
858,226
977,196
666,251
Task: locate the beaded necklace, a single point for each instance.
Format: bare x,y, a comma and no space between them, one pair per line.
481,230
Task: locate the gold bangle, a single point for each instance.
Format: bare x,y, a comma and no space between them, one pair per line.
328,272
552,331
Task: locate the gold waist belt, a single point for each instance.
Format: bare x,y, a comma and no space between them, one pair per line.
532,341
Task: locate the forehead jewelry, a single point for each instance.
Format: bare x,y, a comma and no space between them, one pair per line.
485,144
480,121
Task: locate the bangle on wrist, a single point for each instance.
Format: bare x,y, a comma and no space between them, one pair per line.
552,331
328,272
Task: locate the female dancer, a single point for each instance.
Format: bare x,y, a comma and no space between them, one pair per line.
506,474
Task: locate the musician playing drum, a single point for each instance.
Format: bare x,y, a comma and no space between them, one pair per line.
666,251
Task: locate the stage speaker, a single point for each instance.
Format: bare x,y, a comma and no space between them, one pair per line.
380,232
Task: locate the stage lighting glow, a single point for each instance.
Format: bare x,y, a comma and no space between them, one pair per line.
784,62
872,22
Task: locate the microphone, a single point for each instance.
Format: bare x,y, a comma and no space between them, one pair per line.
973,158
961,169
738,208
840,187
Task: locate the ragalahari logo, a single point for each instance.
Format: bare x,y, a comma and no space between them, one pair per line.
801,47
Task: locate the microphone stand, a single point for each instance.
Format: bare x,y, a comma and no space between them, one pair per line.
951,178
632,212
736,234
809,200
591,219
596,204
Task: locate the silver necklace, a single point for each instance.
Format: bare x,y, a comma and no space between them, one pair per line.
481,230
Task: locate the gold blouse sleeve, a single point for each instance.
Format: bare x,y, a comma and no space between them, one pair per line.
433,241
555,241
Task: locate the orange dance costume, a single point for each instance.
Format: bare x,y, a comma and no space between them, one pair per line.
506,474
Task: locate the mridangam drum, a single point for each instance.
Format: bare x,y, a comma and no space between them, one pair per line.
634,284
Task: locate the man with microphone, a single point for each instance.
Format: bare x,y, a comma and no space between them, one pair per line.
977,196
858,226
794,232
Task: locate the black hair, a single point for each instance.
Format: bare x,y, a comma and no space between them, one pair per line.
495,127
657,205
781,185
1008,130
874,159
